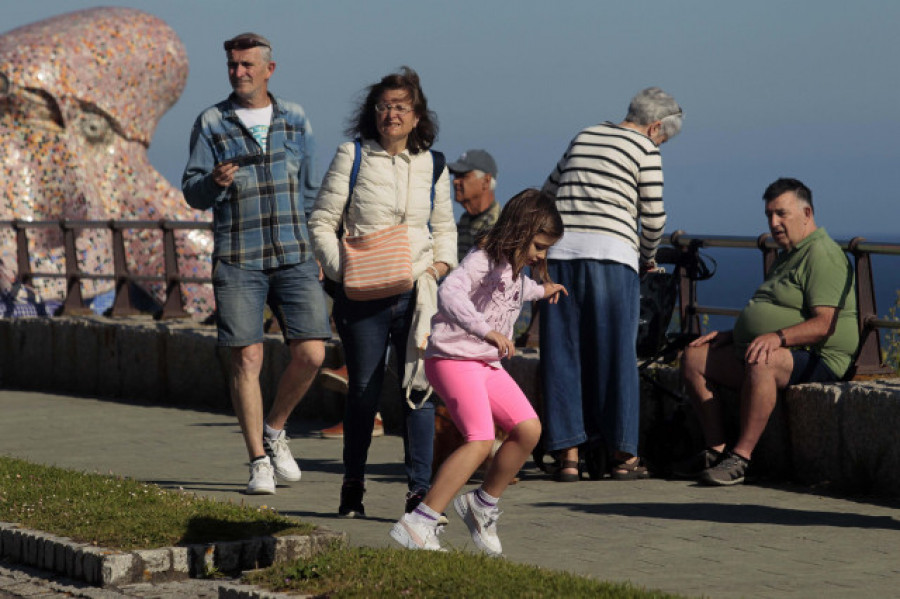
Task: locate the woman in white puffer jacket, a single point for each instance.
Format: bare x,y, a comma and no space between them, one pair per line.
394,185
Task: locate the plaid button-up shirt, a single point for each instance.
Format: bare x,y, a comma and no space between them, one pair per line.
260,219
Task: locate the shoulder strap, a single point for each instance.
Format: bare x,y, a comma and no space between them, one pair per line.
357,156
437,167
354,172
438,162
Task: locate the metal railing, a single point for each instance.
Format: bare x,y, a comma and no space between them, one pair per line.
173,306
683,252
869,360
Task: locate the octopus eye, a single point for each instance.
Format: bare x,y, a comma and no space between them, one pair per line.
95,127
4,85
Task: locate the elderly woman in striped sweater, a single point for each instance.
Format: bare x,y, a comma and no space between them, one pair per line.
608,187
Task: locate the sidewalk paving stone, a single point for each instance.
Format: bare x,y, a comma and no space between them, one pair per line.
746,541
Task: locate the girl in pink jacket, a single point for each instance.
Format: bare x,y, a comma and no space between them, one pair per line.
478,304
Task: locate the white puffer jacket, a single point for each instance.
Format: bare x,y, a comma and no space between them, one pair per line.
379,200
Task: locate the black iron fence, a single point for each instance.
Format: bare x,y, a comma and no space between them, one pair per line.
681,252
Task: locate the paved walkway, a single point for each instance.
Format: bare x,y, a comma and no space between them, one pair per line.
745,541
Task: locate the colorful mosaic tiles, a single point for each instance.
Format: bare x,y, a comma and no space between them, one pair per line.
80,97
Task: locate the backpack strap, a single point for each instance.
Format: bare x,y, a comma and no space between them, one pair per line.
354,172
438,162
357,157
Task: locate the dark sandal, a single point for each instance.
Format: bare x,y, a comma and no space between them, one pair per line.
630,471
567,477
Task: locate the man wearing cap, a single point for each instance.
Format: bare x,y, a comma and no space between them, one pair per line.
474,181
252,161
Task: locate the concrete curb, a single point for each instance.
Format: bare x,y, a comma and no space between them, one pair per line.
110,568
245,591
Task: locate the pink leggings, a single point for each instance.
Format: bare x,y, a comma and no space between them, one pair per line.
477,396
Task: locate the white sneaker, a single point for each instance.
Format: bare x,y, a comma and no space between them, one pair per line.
414,532
278,451
262,478
482,522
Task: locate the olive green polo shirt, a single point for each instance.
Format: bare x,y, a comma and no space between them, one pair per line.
814,273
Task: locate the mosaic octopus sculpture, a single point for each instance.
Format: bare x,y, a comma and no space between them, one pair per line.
80,97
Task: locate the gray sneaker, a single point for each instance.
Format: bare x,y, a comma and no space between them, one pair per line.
730,471
694,466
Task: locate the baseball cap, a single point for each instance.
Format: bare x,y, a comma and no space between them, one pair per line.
474,160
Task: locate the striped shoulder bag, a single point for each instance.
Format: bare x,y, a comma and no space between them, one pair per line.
378,265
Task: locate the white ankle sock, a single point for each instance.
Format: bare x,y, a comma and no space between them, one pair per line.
425,511
485,499
269,432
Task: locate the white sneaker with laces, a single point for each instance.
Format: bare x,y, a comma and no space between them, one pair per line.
414,532
482,522
277,449
262,478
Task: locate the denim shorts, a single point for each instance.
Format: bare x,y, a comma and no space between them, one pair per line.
809,368
293,293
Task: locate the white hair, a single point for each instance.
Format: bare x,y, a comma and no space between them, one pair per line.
671,125
481,174
653,104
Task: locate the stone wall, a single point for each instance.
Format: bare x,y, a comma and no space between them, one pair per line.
139,359
842,435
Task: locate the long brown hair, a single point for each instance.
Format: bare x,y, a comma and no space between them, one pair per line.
363,123
527,214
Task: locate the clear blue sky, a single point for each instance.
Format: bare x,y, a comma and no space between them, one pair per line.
770,88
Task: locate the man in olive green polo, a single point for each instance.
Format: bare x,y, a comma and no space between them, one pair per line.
800,326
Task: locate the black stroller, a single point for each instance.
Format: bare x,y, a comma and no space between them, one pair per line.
655,344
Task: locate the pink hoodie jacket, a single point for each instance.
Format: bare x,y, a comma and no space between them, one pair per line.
476,298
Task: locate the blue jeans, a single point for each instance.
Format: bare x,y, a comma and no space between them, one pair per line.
809,368
588,356
366,328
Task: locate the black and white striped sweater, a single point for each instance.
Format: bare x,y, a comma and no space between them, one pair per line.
609,182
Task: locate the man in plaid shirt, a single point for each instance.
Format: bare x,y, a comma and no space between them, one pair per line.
252,160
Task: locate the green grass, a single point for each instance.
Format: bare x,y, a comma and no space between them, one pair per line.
125,514
365,572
